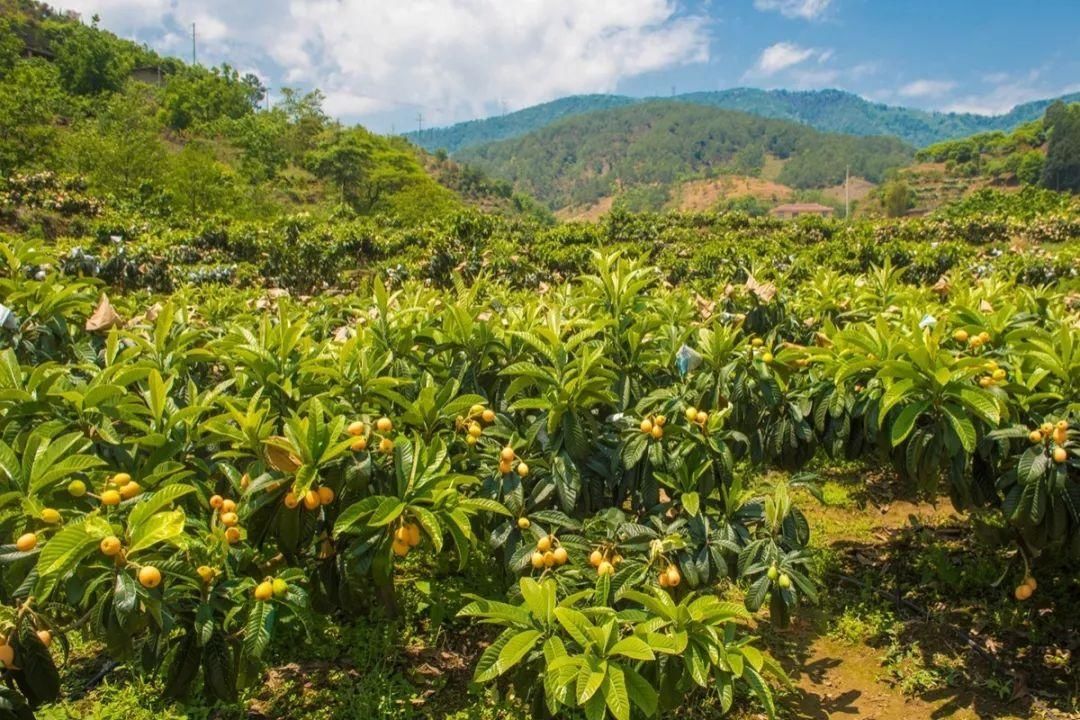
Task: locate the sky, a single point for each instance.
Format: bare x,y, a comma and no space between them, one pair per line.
390,64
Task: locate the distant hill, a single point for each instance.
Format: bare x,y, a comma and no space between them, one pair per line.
825,110
653,147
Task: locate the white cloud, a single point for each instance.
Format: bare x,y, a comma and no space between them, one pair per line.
926,88
1006,92
463,57
783,55
805,9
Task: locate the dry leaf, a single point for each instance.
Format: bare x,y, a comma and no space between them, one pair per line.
765,291
278,457
104,317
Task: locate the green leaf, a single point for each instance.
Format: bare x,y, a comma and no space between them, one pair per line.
634,648
162,527
905,422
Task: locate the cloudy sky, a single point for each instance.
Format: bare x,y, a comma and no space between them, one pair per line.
384,62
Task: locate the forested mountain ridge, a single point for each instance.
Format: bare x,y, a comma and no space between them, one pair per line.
825,110
658,144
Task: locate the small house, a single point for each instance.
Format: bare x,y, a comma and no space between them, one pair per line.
794,210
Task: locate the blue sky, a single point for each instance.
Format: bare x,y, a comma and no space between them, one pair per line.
383,62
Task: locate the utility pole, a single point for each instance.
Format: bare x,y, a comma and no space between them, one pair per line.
847,201
193,56
419,123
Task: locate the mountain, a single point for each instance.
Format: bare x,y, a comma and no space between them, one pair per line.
825,110
654,146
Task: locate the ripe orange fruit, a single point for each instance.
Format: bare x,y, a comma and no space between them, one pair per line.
544,543
386,446
412,534
505,466
1061,435
1046,428
121,478
326,495
475,410
206,573
595,558
522,469
216,501
232,535
311,500
7,656
130,490
76,488
229,519
384,424
605,568
489,416
45,637
960,336
245,480
702,417
986,381
359,444
537,560
402,535
110,497
691,413
999,374
401,549
984,336
470,440
561,556
674,577
660,420
264,591
524,523
756,342
1030,582
290,500
549,559
657,432
507,454
646,425
1022,592
1035,437
356,428
1060,455
149,576
26,542
475,430
50,516
110,546
662,579
228,506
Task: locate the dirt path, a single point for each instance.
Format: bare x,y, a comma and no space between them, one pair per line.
837,679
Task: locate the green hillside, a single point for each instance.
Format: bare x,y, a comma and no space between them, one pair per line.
150,134
825,110
656,144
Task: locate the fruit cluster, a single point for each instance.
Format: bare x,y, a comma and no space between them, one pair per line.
605,560
1053,436
549,553
271,588
507,456
473,424
406,537
653,426
361,435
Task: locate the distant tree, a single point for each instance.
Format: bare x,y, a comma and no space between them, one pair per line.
11,45
895,198
90,61
197,95
345,161
198,182
306,119
1030,168
1061,170
120,151
29,97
